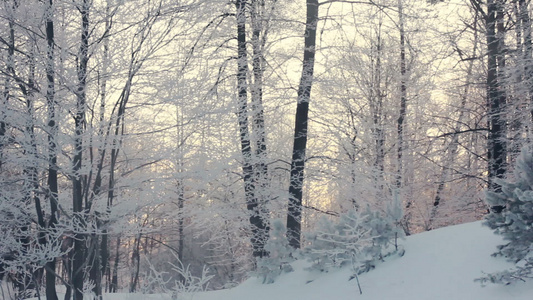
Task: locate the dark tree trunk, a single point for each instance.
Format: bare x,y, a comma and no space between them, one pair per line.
104,259
78,262
31,171
25,281
454,143
7,85
256,219
527,56
260,218
403,96
294,215
495,98
376,107
135,261
181,225
401,120
114,278
51,293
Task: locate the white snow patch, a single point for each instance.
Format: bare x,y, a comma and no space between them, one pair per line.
440,264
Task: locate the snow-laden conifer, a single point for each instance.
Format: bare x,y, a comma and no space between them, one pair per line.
357,239
515,222
279,254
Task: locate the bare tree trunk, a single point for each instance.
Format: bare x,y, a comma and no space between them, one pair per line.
256,220
181,225
101,261
454,143
376,107
79,255
7,84
260,216
527,56
180,139
113,287
26,281
495,99
31,171
51,293
401,119
135,261
180,186
294,215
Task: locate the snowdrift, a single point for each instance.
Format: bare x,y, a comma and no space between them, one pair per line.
440,264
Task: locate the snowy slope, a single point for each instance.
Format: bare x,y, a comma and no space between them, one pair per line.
441,264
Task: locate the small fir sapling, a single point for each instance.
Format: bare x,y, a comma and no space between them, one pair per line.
384,231
515,222
279,254
357,239
336,245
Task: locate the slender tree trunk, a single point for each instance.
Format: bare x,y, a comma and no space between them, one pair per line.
180,182
376,107
252,204
527,57
104,259
31,170
518,122
181,225
51,293
135,261
10,61
114,278
27,280
294,215
454,143
180,185
78,262
403,97
260,218
67,266
495,98
401,121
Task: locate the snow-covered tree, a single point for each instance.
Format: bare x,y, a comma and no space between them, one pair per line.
279,254
336,245
360,239
515,222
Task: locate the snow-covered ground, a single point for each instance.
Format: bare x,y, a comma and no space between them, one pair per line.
441,264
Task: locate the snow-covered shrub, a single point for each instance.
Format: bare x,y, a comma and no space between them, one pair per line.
279,254
384,231
178,283
335,245
515,222
357,239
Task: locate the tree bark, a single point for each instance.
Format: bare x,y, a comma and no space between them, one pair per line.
527,56
113,287
495,98
454,143
135,261
51,293
7,84
294,215
260,218
78,262
401,120
256,219
376,108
